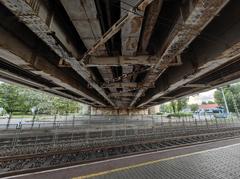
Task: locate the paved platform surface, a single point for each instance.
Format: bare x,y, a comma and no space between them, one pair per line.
220,160
218,163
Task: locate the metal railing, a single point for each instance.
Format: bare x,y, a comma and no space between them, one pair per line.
85,129
110,121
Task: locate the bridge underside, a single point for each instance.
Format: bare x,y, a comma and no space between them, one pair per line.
118,54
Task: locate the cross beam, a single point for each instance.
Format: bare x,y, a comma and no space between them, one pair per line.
145,60
186,29
124,85
127,94
121,61
36,21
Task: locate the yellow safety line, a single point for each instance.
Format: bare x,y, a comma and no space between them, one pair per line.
148,163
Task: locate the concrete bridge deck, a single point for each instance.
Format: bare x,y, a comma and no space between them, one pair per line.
117,56
120,58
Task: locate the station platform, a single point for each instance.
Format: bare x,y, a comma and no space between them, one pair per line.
220,159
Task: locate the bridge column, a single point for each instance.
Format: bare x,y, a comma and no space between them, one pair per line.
152,110
107,111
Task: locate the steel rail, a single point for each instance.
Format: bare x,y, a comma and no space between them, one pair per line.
103,153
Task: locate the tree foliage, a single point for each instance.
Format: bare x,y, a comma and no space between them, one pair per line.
10,98
193,107
14,98
231,93
179,105
166,108
174,106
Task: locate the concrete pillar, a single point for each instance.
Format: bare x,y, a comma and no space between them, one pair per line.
107,111
151,110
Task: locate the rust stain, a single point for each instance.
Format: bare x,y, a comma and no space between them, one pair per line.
131,43
143,6
136,24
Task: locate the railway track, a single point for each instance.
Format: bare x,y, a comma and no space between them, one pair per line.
44,144
13,165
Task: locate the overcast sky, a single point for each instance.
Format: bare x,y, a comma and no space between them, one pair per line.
202,97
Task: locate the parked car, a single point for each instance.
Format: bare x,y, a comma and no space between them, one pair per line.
220,113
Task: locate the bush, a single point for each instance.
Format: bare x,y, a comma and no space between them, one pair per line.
179,115
159,113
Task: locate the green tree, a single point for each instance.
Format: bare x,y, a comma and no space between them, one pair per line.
10,99
166,108
15,98
65,106
173,104
31,99
193,107
179,104
231,93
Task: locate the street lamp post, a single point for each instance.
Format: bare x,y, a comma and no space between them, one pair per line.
225,102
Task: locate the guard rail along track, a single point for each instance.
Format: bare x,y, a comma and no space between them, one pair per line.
20,143
18,164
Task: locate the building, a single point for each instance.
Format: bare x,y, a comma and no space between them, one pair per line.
207,107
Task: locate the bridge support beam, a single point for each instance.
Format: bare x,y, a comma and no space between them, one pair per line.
194,18
15,52
33,15
203,57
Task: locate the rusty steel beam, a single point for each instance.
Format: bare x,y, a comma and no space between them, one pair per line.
13,78
192,21
229,78
152,77
194,18
145,60
127,94
17,53
130,35
196,85
166,97
129,17
130,31
94,61
149,23
139,7
84,16
62,63
210,57
123,85
34,16
120,85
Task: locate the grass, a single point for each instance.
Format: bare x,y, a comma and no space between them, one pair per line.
22,116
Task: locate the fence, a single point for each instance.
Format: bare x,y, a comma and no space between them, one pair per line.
87,129
110,121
